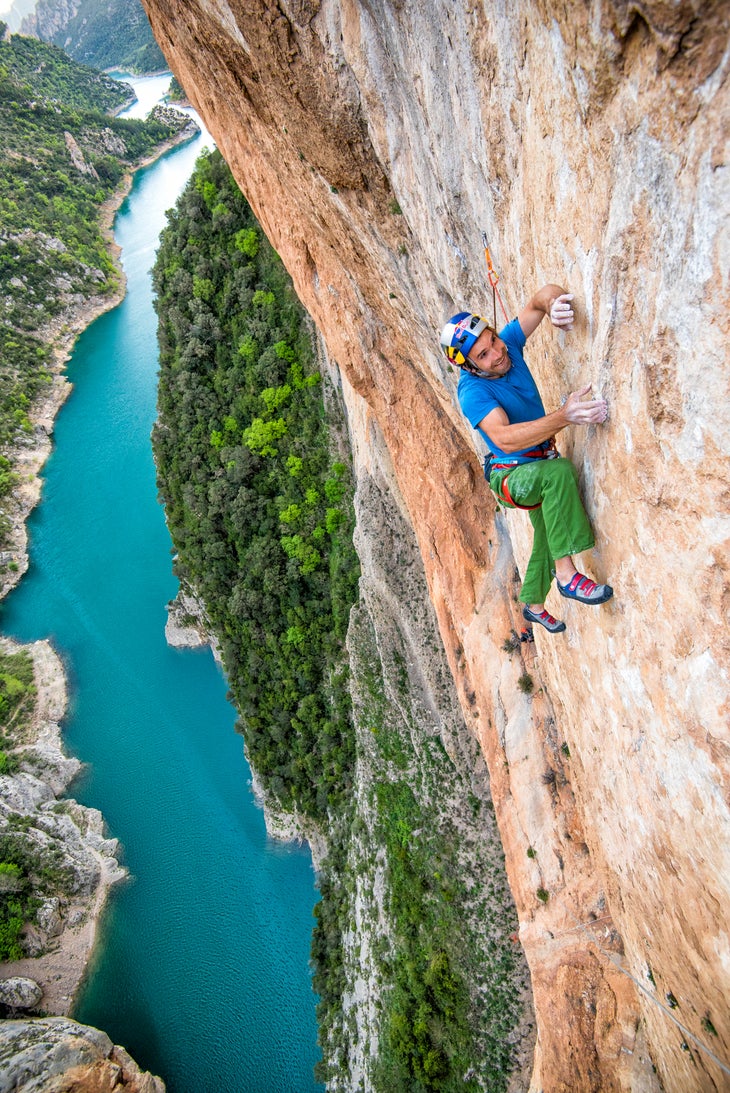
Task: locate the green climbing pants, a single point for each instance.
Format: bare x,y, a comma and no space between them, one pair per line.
560,524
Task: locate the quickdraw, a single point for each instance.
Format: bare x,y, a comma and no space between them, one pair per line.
493,277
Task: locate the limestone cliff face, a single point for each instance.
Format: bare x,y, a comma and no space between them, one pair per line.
49,19
375,141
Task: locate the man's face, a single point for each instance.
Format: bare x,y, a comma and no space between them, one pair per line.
490,356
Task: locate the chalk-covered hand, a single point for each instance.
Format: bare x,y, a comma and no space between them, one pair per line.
561,311
582,411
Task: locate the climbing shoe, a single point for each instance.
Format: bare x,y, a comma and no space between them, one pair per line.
584,590
555,626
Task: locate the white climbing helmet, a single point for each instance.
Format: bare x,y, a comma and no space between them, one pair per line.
460,334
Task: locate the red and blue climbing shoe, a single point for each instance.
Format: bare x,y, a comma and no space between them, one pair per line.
584,590
555,626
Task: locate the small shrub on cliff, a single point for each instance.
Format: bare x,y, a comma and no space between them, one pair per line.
526,683
708,1026
17,907
8,763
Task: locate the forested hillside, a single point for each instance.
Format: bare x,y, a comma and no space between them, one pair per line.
101,33
61,157
256,502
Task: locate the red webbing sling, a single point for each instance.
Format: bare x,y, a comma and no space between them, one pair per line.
508,496
535,453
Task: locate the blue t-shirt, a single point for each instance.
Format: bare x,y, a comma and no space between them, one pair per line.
516,392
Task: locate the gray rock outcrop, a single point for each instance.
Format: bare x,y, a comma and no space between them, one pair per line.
20,993
53,1054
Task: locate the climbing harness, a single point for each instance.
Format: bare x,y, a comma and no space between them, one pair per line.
507,496
546,450
493,277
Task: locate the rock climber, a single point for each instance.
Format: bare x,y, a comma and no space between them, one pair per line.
500,399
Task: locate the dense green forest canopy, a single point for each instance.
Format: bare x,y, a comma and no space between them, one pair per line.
61,157
102,33
256,503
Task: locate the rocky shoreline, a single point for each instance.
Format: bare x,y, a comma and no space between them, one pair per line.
65,935
187,625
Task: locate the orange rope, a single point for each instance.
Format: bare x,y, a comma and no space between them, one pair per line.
493,278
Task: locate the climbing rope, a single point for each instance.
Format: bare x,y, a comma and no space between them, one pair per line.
586,927
493,279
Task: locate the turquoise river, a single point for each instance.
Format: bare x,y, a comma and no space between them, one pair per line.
201,968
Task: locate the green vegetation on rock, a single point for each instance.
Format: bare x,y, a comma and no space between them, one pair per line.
32,869
32,864
419,869
17,693
176,92
45,74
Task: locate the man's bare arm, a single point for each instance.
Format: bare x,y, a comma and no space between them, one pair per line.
527,434
550,300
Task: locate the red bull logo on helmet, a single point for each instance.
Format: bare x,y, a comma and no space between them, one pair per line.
460,334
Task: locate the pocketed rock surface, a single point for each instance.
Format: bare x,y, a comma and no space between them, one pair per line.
375,142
